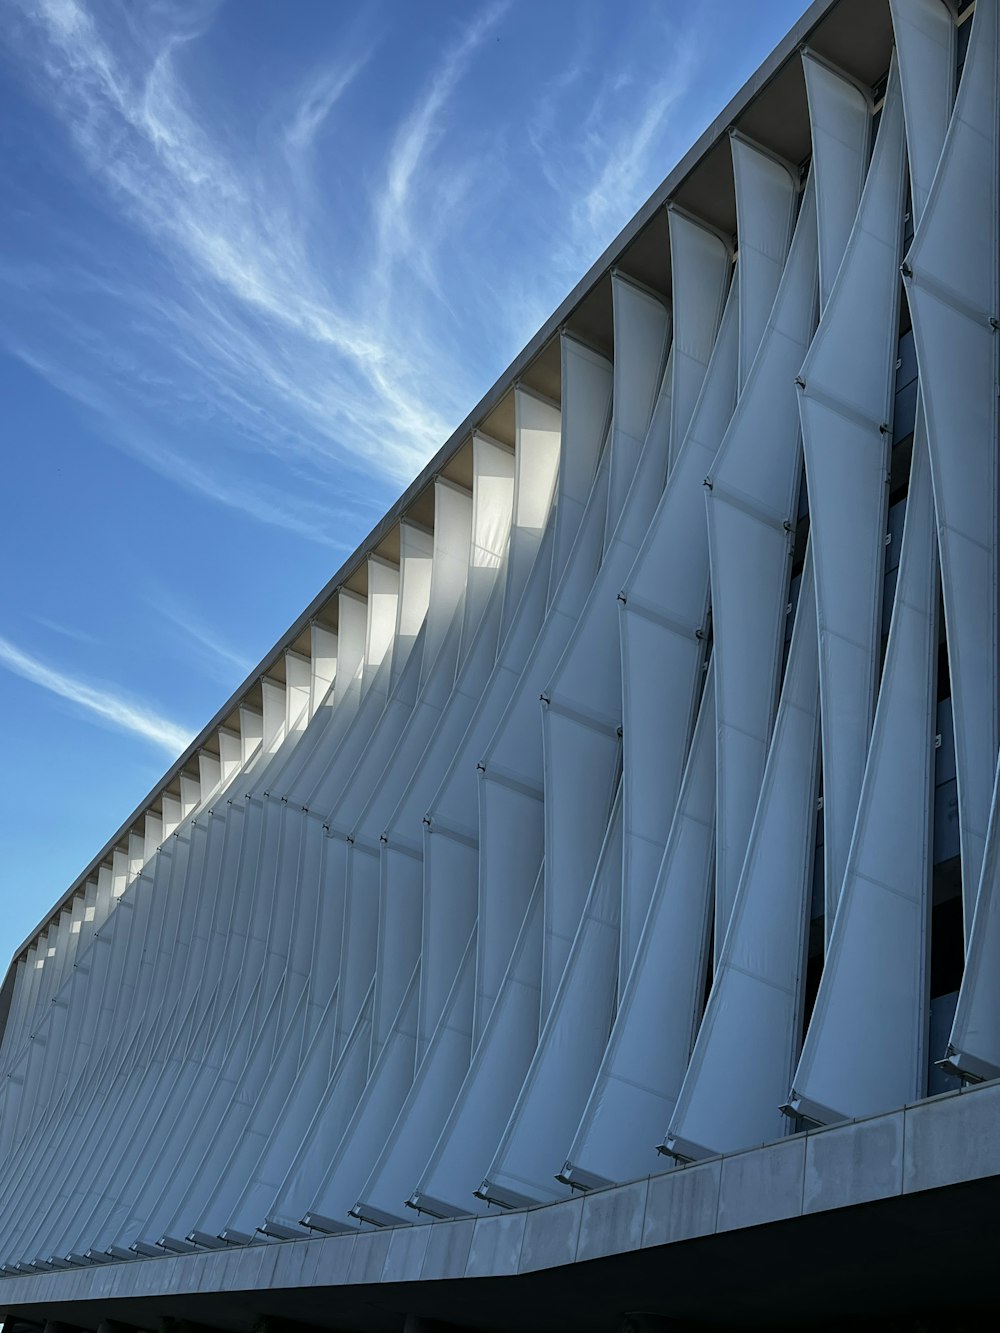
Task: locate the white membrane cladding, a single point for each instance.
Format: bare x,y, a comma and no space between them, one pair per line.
431,1096
846,387
585,420
925,49
380,628
570,1044
536,470
450,567
642,336
511,809
866,1048
840,121
700,280
663,613
953,294
416,560
751,496
352,633
492,513
450,827
767,196
500,1062
582,706
749,1037
638,1081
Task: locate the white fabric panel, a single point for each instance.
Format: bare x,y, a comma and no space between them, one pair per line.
340,741
416,559
642,336
298,682
700,267
925,45
252,1173
229,1105
749,1037
637,1085
230,760
492,513
952,283
403,799
866,1048
273,693
536,469
846,390
663,618
840,119
584,423
135,851
751,497
251,738
383,597
511,829
499,1064
431,1096
451,824
767,195
450,567
323,658
311,1150
119,857
400,902
368,1127
352,628
582,706
570,1044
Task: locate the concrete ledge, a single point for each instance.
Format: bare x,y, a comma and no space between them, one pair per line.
934,1144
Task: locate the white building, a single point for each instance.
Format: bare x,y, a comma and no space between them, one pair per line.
618,830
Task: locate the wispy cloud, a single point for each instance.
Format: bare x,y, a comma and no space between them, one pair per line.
113,708
294,335
64,631
316,100
393,212
226,661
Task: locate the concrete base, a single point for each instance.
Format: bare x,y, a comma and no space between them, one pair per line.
892,1219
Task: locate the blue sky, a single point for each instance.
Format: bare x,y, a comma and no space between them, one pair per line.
257,260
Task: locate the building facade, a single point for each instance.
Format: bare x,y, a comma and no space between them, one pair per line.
588,915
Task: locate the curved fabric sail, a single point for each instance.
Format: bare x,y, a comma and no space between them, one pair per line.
432,1094
751,496
587,379
582,706
767,196
640,1075
536,469
570,1044
925,48
510,772
499,1064
700,270
663,613
952,290
749,1038
642,337
845,403
450,566
840,125
492,513
866,1048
